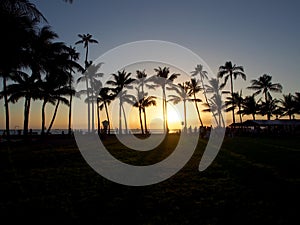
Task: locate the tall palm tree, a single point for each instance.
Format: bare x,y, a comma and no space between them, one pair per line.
28,87
264,85
86,39
147,101
104,99
19,29
235,101
231,71
249,106
73,56
182,90
297,102
269,108
215,103
121,81
203,75
193,89
164,79
288,105
137,102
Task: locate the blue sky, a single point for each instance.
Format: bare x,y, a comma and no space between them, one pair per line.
262,36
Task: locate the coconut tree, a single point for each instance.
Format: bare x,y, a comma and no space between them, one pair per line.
235,101
181,90
163,79
203,75
137,102
121,81
264,85
27,87
194,88
215,103
19,28
249,106
269,108
288,105
87,39
104,99
297,102
229,71
73,55
147,101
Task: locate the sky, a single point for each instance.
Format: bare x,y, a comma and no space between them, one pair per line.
262,36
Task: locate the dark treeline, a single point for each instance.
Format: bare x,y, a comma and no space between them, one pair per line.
34,66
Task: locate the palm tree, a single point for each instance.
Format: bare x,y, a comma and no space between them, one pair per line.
203,75
73,56
182,95
235,101
137,102
120,82
104,99
163,79
264,85
28,87
231,71
86,39
249,106
288,105
147,101
269,108
193,89
297,102
19,29
215,103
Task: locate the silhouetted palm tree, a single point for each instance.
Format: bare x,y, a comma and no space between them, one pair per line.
264,85
19,29
120,82
231,71
269,108
297,102
182,90
216,104
104,99
203,75
249,106
163,79
194,88
86,39
27,87
288,105
137,102
147,101
235,101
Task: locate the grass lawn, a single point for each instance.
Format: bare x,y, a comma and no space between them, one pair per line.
252,181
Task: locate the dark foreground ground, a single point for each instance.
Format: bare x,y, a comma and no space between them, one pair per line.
252,181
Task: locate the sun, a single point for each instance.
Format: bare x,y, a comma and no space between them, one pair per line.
173,115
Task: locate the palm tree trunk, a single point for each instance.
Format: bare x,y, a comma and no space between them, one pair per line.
120,117
6,108
107,116
145,121
98,117
253,115
141,121
88,98
125,120
26,115
164,111
70,108
43,117
231,84
184,114
200,120
53,117
86,56
93,106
